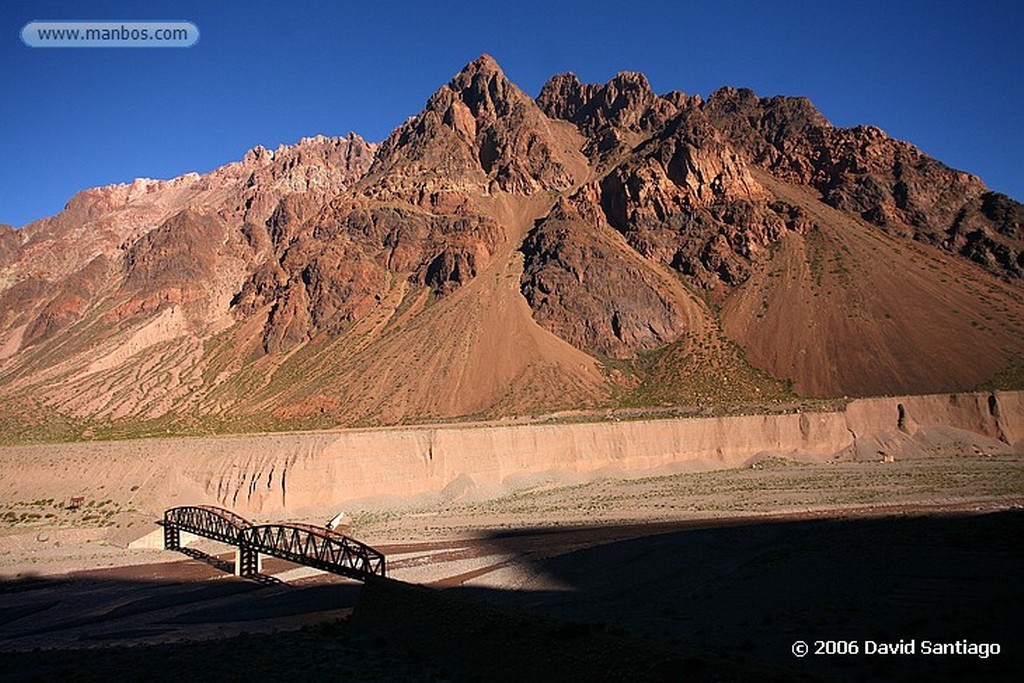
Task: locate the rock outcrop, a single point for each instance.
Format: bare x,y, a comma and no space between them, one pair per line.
590,293
863,171
9,243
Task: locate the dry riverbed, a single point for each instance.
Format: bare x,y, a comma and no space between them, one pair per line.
712,573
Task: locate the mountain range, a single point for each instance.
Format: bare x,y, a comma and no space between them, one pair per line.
498,255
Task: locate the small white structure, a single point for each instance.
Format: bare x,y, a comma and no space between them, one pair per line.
340,519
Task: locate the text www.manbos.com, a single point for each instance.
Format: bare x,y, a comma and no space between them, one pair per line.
110,34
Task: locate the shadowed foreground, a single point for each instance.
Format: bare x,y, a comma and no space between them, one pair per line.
721,603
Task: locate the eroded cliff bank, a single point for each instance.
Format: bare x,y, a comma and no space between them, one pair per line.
278,475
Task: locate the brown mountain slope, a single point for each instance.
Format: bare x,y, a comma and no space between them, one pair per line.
600,246
846,309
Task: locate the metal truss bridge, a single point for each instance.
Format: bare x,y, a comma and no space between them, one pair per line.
305,544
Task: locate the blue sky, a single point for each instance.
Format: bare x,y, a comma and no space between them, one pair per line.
947,76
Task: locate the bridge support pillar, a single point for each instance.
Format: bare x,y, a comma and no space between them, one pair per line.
247,562
172,537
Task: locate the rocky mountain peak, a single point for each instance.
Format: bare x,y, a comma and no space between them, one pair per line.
630,85
563,96
734,98
257,156
619,113
483,64
480,128
484,89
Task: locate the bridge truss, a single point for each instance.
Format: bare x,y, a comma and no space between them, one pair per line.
207,521
304,544
316,547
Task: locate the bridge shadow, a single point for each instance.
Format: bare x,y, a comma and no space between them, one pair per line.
265,579
225,566
228,567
